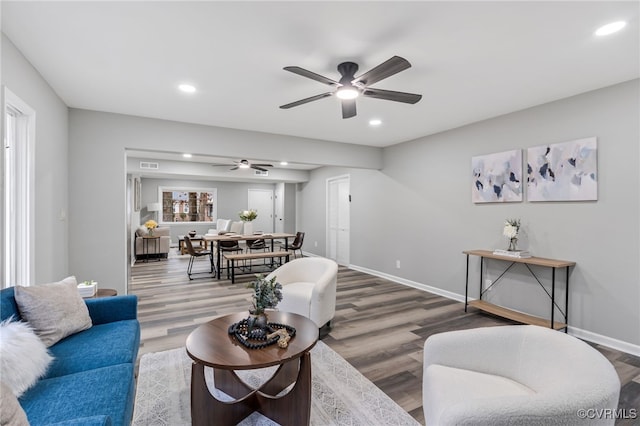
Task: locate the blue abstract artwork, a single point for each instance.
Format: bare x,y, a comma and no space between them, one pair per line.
566,171
497,178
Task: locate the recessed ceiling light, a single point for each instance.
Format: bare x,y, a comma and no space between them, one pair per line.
610,28
185,155
187,88
283,163
375,122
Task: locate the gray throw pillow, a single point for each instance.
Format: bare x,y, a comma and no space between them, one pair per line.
54,310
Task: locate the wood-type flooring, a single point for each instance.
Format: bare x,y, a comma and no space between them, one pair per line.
379,328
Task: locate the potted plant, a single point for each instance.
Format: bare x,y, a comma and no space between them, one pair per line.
247,216
511,229
151,225
266,295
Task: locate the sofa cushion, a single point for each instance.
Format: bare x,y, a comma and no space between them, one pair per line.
100,346
11,413
54,310
107,391
23,356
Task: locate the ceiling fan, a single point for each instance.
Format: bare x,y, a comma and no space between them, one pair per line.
245,164
349,87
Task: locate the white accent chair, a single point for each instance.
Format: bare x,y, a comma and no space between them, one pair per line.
308,288
515,375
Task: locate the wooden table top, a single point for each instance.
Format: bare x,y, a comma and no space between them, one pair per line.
212,345
540,261
228,237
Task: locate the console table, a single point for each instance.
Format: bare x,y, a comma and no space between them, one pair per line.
511,314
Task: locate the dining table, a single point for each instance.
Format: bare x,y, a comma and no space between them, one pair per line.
216,239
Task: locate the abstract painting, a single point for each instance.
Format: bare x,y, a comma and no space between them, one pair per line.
566,171
497,178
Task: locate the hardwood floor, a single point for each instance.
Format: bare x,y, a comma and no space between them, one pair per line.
379,328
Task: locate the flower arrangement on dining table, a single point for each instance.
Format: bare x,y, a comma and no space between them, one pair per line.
511,229
151,225
248,215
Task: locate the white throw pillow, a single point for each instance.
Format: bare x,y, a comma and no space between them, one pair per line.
23,356
54,310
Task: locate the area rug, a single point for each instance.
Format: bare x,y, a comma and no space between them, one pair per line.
340,394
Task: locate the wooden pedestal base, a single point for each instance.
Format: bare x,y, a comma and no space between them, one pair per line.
292,408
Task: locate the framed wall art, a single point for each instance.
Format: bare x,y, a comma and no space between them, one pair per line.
566,171
497,178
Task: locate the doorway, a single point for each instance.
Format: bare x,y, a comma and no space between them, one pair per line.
261,200
338,219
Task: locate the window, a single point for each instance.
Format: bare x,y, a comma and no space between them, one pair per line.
17,230
188,204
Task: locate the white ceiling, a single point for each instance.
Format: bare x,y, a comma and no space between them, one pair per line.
471,60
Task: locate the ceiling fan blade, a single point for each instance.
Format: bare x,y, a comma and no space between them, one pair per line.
234,168
306,100
390,95
255,166
264,165
386,69
348,108
311,75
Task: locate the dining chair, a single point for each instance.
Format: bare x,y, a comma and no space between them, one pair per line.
228,246
297,244
195,254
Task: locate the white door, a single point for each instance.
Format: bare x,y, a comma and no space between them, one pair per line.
338,219
261,200
279,205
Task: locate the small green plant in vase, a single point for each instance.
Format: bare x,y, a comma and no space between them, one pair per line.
266,295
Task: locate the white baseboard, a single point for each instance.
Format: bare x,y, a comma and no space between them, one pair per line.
589,336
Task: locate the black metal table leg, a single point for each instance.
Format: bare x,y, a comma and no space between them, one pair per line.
553,293
566,304
466,287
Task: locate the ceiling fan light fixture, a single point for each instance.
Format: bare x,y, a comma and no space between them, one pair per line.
347,92
243,166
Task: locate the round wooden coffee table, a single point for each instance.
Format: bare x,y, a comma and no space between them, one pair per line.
211,345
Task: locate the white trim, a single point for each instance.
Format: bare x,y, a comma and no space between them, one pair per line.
589,336
409,283
24,223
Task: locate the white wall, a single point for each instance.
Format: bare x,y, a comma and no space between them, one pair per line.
51,194
418,210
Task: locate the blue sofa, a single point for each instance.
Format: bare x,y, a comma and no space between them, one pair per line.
91,380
